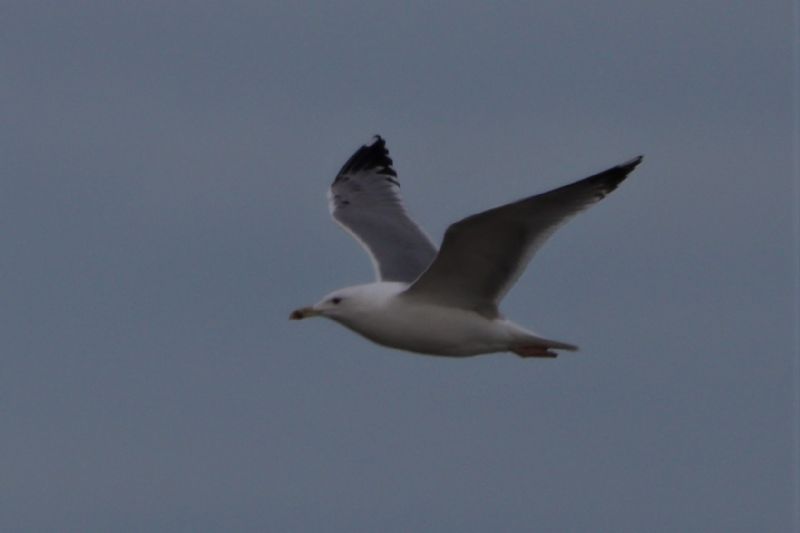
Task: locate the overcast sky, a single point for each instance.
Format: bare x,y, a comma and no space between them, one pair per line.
162,210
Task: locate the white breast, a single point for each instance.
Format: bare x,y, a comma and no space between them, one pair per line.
420,327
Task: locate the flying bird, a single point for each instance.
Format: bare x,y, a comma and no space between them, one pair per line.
444,302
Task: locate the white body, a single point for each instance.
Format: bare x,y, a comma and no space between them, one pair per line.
444,302
379,312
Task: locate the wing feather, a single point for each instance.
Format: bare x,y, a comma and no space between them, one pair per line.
483,255
365,200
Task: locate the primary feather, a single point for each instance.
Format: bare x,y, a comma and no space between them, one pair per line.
365,200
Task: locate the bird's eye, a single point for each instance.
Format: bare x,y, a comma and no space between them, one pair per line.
336,301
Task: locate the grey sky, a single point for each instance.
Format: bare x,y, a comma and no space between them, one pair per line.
162,205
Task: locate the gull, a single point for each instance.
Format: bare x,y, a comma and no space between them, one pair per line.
444,302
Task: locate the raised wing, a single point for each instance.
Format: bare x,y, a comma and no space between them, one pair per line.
365,200
483,255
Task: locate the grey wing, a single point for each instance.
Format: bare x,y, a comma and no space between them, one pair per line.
483,255
365,200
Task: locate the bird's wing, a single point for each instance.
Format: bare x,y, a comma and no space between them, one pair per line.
483,255
365,200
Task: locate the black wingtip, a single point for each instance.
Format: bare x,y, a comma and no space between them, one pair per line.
628,166
373,156
608,180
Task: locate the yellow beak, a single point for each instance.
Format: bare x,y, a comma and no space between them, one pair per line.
305,312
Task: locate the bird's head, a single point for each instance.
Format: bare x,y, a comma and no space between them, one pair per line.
351,305
334,305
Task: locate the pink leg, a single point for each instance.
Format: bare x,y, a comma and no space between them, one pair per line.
534,351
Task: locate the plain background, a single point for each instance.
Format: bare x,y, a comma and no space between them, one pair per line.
162,210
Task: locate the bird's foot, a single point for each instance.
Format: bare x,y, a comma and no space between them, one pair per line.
534,351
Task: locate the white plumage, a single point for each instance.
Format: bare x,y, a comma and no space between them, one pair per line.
444,303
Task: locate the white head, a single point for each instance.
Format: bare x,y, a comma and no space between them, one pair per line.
346,305
332,306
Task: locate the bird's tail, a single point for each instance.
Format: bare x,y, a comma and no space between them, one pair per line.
558,345
534,346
